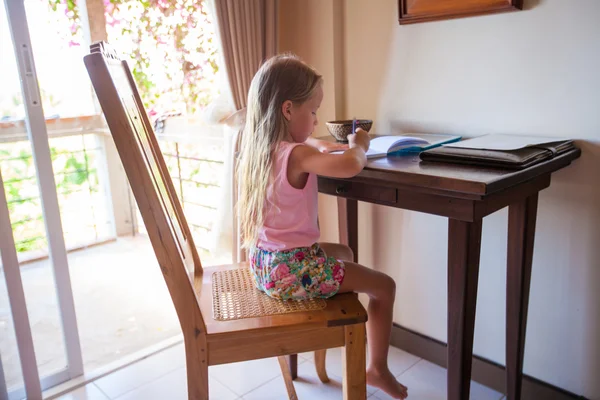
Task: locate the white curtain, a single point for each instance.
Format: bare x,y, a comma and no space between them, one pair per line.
224,244
247,31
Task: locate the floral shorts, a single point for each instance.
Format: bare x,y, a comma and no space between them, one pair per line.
297,274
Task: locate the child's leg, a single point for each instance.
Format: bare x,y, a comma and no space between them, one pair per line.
381,290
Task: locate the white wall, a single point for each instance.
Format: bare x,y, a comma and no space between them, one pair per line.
533,72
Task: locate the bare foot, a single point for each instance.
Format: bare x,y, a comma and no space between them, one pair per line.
385,380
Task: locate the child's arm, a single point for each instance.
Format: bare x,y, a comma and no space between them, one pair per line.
324,146
305,159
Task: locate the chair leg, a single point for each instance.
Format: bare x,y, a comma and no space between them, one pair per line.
292,360
197,368
355,363
320,356
287,377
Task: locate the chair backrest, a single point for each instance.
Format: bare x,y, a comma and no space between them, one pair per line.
150,181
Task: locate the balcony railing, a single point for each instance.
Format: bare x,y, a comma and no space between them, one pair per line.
84,186
196,171
82,196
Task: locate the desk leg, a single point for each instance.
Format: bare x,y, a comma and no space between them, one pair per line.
521,232
348,224
464,245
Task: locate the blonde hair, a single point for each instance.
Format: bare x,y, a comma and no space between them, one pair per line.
281,78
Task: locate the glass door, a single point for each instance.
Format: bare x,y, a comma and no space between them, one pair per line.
19,375
41,347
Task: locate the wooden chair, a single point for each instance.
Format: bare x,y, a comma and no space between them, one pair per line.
212,303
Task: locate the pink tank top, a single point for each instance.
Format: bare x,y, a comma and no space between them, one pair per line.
290,214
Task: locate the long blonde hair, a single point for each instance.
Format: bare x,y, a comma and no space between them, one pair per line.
281,78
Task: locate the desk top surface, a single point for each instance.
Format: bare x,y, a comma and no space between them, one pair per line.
411,171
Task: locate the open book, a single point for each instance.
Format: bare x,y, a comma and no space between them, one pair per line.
381,146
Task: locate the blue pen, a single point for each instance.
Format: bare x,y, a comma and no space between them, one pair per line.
354,125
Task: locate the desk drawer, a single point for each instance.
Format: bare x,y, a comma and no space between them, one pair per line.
358,191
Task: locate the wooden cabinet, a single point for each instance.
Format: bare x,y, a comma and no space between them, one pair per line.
413,11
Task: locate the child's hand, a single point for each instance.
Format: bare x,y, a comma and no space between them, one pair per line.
360,138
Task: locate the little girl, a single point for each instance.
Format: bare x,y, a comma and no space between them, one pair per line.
277,172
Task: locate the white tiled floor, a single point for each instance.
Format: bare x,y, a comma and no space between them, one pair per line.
162,377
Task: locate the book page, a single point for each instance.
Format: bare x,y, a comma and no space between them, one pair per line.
382,143
386,143
375,153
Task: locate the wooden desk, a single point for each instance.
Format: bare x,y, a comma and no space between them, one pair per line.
465,195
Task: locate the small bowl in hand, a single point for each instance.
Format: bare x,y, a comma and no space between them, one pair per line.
341,129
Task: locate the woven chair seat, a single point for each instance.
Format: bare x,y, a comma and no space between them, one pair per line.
236,297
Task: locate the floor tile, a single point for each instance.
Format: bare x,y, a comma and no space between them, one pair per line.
398,361
142,372
88,392
427,381
162,376
334,366
173,386
307,385
246,376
